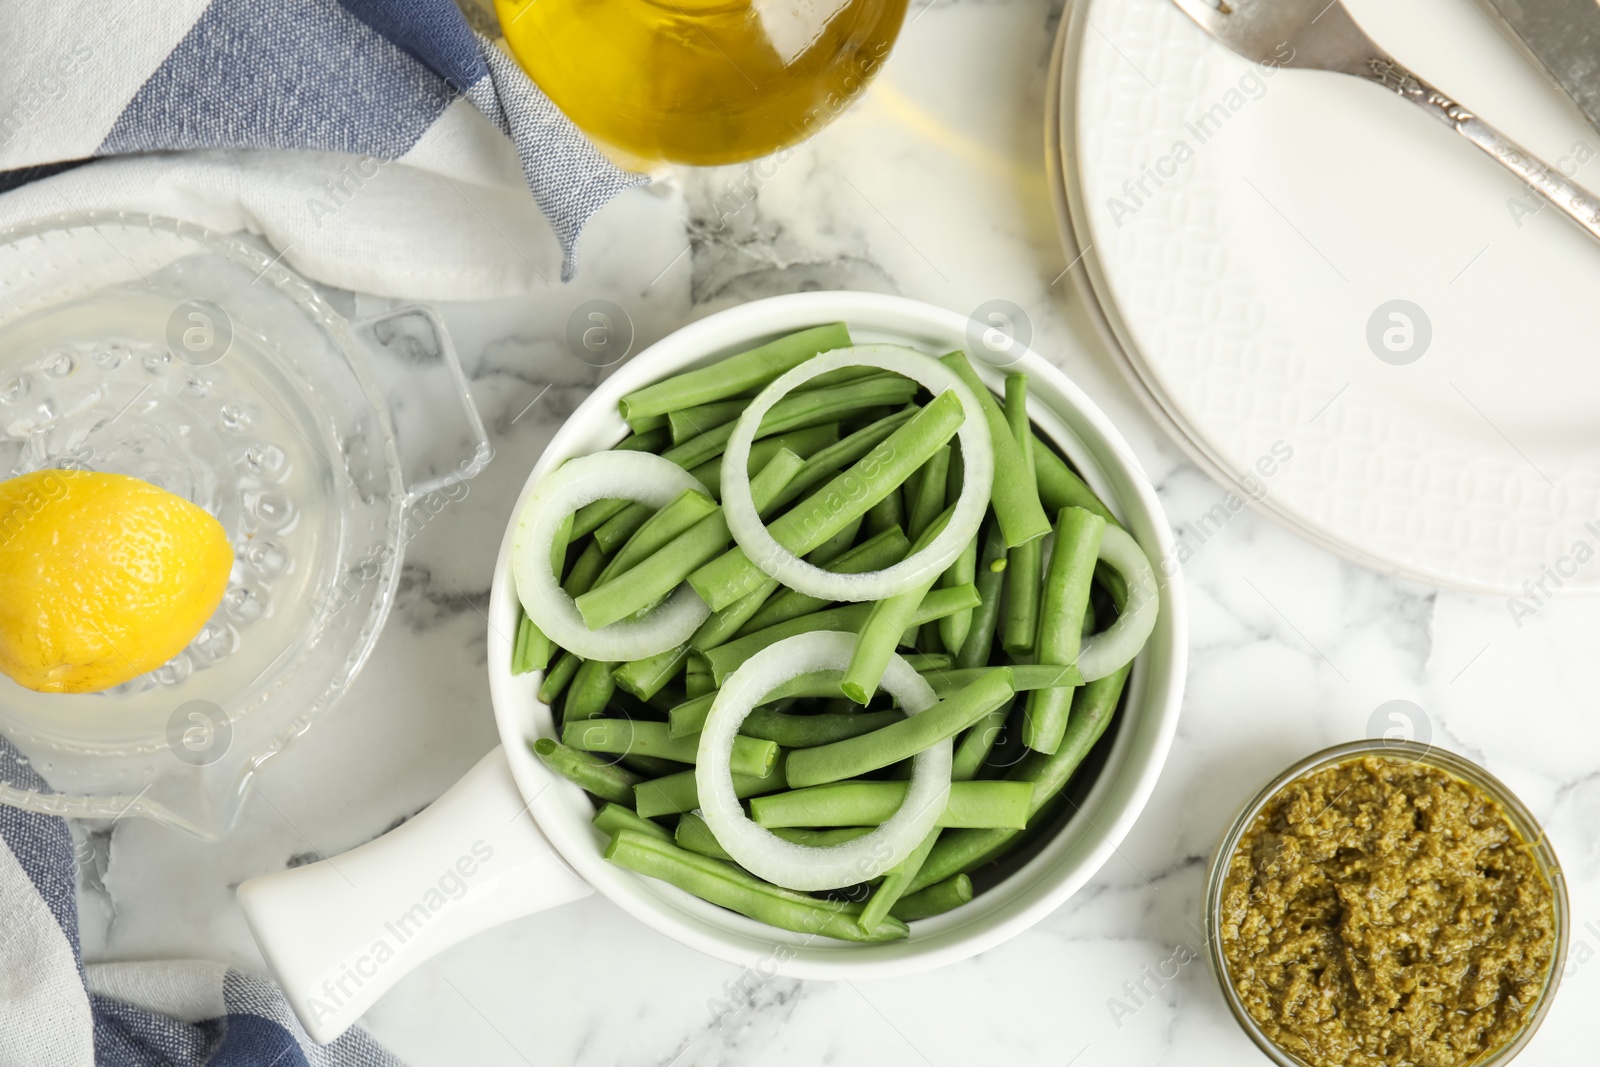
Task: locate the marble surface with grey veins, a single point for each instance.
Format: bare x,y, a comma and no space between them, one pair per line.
932,187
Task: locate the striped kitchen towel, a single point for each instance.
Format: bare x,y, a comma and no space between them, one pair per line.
57,1012
357,135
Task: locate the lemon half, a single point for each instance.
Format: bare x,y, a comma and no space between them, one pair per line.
102,578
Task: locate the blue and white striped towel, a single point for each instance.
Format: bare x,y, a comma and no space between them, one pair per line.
57,1012
287,115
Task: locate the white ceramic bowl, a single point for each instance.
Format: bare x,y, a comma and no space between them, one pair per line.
297,915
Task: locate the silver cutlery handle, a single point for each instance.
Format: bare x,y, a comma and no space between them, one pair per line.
1576,202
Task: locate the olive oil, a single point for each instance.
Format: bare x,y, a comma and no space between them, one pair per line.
698,82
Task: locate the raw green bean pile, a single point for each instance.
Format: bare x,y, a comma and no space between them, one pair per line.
854,471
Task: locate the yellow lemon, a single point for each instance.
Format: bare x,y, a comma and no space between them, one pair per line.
102,578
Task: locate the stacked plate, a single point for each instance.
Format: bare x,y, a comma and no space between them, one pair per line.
1339,308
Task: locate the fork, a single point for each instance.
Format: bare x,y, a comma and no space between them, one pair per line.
1321,35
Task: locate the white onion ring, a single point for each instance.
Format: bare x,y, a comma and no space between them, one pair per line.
806,867
1107,651
638,476
977,456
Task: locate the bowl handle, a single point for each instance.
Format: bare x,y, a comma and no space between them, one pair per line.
338,933
416,370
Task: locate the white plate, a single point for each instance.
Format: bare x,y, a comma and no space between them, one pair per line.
1240,290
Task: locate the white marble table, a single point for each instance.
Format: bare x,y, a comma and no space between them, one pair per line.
932,187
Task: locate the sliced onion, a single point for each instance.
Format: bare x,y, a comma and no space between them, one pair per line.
1114,646
638,476
806,867
977,457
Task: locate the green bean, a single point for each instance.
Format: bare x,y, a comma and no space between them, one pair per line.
953,629
926,662
590,691
737,890
1092,709
894,883
979,645
977,743
698,683
604,780
651,530
985,804
1025,677
886,514
835,546
690,422
929,500
833,458
1013,493
677,793
874,554
626,737
809,731
722,626
725,659
557,676
900,740
652,438
650,766
803,443
846,496
1066,597
935,900
887,620
1024,571
585,570
657,575
1060,487
790,731
694,835
519,645
644,678
734,375
613,817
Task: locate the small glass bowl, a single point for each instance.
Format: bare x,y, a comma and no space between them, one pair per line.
1412,753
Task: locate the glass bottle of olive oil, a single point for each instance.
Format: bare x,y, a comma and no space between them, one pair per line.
700,81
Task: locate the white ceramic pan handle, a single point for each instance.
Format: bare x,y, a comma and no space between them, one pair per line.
340,932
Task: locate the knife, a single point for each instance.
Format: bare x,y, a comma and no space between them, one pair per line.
1563,37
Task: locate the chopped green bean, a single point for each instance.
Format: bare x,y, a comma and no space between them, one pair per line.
737,890
590,691
644,678
691,422
1024,571
979,645
585,570
887,620
626,737
652,439
613,817
886,514
638,539
1013,493
983,804
604,780
900,740
677,793
935,900
734,375
1025,677
929,500
556,678
1066,598
1060,487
